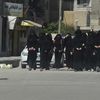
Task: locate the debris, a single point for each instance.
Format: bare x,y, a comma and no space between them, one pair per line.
6,66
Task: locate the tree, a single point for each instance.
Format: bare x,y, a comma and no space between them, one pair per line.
53,28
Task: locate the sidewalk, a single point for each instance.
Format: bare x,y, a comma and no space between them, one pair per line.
13,60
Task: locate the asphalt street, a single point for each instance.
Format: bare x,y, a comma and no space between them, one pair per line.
21,84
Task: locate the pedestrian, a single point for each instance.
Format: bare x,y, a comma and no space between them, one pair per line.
32,45
58,45
77,55
46,50
42,43
97,51
49,48
84,51
90,50
68,50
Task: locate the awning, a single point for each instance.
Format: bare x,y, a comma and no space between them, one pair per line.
30,23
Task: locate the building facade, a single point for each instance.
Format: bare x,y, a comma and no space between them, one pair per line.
53,9
95,14
83,13
3,32
6,36
86,14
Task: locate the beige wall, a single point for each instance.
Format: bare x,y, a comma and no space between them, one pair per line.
68,18
81,17
75,18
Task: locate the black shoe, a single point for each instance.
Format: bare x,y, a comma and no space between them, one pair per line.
98,69
47,68
34,68
30,69
41,69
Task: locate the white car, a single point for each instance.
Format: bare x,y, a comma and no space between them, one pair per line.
24,55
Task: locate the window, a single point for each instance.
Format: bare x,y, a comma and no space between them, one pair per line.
83,1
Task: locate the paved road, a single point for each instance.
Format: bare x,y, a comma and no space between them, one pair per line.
21,84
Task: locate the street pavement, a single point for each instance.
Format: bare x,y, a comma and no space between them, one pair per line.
21,84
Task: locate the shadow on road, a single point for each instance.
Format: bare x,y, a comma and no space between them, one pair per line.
3,78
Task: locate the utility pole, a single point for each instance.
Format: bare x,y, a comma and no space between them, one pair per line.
60,16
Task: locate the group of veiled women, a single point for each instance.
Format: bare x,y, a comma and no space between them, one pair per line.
81,51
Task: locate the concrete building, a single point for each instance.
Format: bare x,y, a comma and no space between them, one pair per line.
95,14
6,37
53,10
80,16
83,13
3,32
86,14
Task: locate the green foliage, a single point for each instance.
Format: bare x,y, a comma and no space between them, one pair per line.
53,28
66,29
